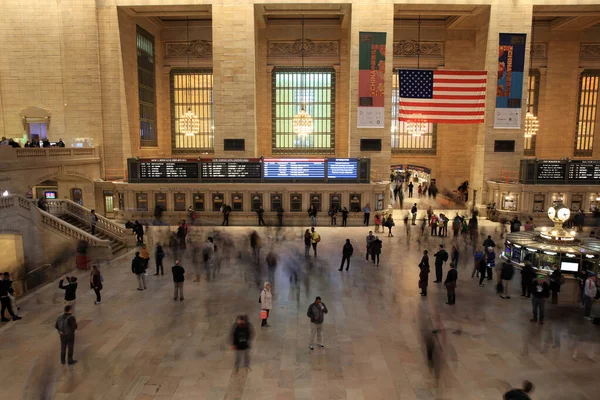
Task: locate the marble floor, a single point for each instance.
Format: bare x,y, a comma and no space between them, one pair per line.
145,346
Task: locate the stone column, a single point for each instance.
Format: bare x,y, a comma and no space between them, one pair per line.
371,17
234,76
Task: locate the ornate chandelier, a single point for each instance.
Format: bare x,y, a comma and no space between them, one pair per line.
189,123
302,122
531,125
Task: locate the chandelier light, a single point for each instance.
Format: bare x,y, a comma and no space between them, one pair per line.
417,128
302,122
531,125
189,123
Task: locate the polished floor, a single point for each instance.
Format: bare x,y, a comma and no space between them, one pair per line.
145,346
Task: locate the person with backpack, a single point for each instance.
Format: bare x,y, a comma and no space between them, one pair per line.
316,312
242,335
178,279
266,301
347,251
96,283
389,223
66,325
315,239
159,255
70,290
440,258
376,250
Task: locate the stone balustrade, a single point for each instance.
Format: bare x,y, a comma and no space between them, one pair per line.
9,154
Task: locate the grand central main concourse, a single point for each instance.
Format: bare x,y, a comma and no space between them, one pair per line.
129,124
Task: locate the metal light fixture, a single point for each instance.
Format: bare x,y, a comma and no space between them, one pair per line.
418,127
189,123
302,122
531,120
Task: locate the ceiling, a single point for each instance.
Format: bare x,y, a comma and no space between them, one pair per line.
568,18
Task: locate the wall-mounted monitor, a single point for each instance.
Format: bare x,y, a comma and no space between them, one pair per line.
568,266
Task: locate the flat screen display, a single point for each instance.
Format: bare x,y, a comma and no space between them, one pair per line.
551,170
584,170
294,168
569,266
342,168
168,169
50,195
507,251
516,254
223,168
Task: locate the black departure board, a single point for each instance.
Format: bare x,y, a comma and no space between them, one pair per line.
583,170
168,169
551,170
225,168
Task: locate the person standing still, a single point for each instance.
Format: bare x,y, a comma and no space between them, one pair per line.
506,275
555,279
410,189
315,239
376,250
347,251
138,268
93,221
440,258
491,262
413,211
66,325
259,213
266,301
316,312
367,214
242,335
424,273
370,239
96,283
70,290
450,284
527,275
307,243
345,216
178,279
540,293
159,255
589,295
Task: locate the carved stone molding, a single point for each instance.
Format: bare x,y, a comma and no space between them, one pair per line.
313,48
409,48
589,51
539,51
195,49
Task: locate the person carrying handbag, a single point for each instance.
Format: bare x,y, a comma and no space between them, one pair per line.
266,301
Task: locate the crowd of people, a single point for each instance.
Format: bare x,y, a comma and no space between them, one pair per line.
35,142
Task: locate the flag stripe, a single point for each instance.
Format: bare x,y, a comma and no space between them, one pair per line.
439,112
408,105
482,82
456,72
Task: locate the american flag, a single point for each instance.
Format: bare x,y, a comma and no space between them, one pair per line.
442,96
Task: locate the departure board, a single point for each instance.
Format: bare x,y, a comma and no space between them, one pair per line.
168,169
583,170
342,168
551,170
294,168
227,168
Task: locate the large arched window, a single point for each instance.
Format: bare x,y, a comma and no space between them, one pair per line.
587,112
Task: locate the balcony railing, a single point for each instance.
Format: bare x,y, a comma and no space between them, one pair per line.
8,154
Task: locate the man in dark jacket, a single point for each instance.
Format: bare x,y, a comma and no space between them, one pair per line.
520,394
316,312
450,284
346,254
540,292
424,274
527,275
66,325
259,213
70,291
226,211
178,278
138,267
5,290
242,335
280,216
440,258
413,211
138,229
488,243
159,255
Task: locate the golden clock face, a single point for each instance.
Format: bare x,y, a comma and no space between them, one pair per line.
551,212
563,214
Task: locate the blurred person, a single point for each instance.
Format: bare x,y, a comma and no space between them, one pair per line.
307,243
208,257
555,282
589,295
527,276
477,257
454,255
93,221
5,291
266,301
347,251
145,255
96,283
159,255
178,278
450,284
540,293
312,214
316,312
255,244
66,325
424,273
315,239
482,269
242,335
333,214
280,215
271,260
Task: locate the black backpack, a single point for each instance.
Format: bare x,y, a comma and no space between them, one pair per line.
63,325
445,256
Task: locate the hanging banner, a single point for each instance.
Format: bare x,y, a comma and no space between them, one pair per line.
371,82
509,90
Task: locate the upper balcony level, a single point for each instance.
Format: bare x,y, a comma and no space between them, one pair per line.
17,158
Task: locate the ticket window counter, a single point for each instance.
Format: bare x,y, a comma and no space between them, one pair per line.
379,197
335,201
532,254
198,201
557,199
576,202
355,205
237,202
276,201
160,200
548,259
257,201
315,201
109,206
509,202
141,201
295,202
179,203
77,196
539,200
217,201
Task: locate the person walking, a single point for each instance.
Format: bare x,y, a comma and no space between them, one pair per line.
413,211
178,279
347,251
5,291
433,223
527,275
410,189
259,213
520,394
256,245
477,257
389,223
226,211
316,312
377,222
242,335
271,260
482,269
540,292
96,283
589,295
138,268
440,258
312,214
266,301
488,242
506,275
367,214
93,221
370,239
454,255
491,262
307,243
70,290
450,284
424,273
145,255
376,250
280,215
555,282
345,213
66,325
159,255
315,239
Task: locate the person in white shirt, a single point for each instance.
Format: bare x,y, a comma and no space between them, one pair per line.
266,300
589,295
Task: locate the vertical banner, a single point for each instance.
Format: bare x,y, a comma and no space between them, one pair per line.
371,79
509,90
